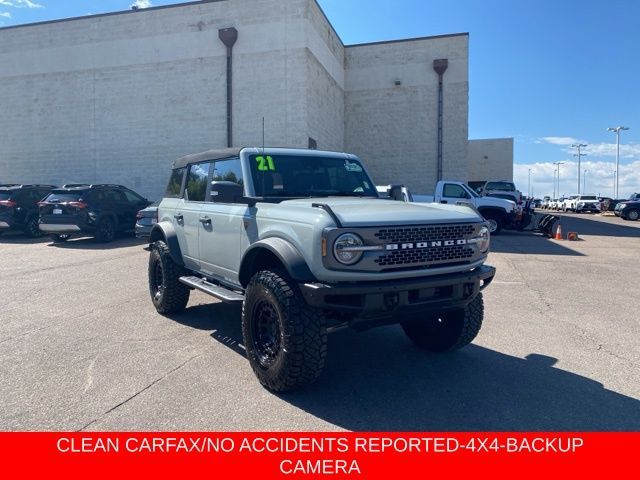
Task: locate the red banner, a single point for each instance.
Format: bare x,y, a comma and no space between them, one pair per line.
300,455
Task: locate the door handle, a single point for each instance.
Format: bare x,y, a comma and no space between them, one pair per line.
205,220
443,201
179,217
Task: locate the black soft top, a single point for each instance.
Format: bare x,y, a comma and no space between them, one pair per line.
208,155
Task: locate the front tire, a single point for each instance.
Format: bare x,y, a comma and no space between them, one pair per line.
495,222
633,215
285,339
448,330
168,294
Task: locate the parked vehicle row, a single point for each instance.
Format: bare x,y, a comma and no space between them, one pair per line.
573,203
99,210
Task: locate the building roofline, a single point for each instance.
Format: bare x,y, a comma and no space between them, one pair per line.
109,14
413,39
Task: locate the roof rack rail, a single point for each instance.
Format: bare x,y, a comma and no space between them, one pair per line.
5,185
75,185
108,185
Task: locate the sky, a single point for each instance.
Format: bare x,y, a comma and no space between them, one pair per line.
547,73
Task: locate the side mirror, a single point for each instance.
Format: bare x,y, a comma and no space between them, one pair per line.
395,192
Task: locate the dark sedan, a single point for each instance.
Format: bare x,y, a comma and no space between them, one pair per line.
146,219
629,210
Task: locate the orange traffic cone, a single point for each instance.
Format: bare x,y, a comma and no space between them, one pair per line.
559,233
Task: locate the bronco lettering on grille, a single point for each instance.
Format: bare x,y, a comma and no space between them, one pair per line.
432,244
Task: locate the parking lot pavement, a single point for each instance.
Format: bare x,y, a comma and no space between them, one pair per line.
81,347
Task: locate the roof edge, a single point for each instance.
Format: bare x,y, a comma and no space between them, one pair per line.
413,39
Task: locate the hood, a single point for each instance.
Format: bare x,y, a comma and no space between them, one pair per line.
363,212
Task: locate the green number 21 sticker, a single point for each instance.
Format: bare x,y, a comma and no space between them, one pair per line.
265,164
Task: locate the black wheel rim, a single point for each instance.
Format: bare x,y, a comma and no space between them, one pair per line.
158,281
266,333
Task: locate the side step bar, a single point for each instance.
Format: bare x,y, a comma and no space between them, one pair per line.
221,293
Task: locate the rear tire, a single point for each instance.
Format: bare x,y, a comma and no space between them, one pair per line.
106,230
285,339
32,228
448,330
168,294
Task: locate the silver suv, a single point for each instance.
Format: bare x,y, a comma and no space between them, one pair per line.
303,241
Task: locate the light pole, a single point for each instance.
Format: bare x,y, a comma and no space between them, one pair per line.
529,183
579,155
557,164
617,130
584,184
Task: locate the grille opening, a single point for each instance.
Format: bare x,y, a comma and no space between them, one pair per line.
423,233
424,255
344,300
425,294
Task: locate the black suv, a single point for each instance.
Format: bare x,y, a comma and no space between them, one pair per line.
97,210
19,207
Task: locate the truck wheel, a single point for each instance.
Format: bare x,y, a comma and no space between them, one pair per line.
495,223
168,294
448,330
106,230
32,229
633,215
285,339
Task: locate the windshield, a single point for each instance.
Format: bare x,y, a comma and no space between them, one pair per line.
503,186
588,197
471,192
5,195
309,176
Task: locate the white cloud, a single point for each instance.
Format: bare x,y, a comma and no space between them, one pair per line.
5,14
561,140
20,4
600,177
141,4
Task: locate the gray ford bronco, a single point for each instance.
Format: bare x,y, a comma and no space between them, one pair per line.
302,240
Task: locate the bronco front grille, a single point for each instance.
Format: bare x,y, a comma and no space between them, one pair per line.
427,255
420,234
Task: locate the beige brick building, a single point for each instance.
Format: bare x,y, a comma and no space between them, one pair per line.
115,98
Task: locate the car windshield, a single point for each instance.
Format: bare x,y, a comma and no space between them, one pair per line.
588,197
292,176
5,195
503,186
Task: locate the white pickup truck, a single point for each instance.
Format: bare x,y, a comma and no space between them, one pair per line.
497,211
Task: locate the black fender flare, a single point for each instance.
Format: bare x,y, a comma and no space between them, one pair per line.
164,231
284,251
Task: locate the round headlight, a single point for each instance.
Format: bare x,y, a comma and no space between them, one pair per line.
345,248
484,239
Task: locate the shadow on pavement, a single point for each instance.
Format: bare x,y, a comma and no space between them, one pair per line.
377,380
529,242
17,238
585,224
89,243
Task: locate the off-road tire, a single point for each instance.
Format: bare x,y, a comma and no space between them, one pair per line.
299,333
168,294
633,215
448,330
499,221
59,238
32,228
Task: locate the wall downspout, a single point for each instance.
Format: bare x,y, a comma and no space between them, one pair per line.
228,36
440,66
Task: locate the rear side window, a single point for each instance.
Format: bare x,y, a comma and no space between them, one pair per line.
65,196
175,183
197,180
6,195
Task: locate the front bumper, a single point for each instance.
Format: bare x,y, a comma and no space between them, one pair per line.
373,303
143,231
588,208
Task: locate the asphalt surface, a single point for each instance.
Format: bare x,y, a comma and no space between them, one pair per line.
82,348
